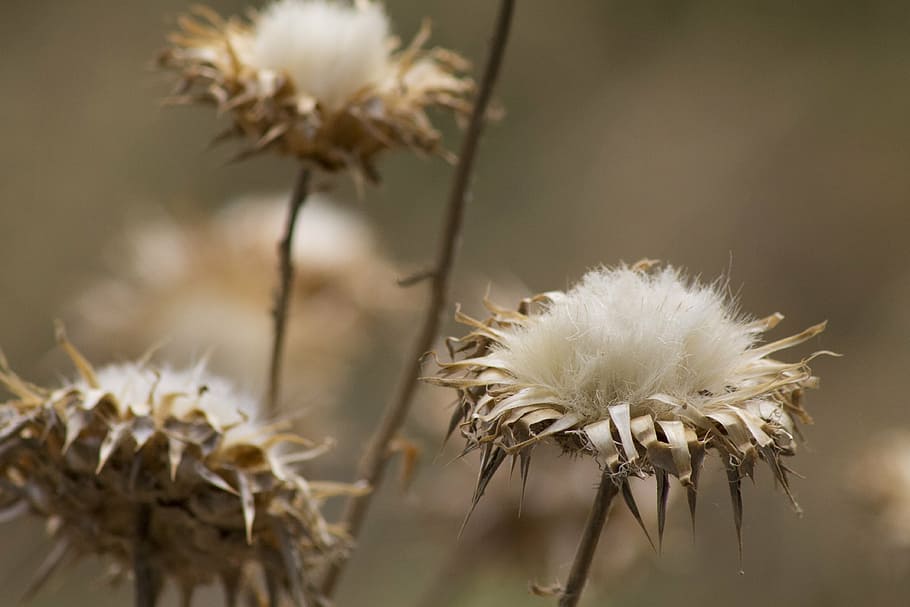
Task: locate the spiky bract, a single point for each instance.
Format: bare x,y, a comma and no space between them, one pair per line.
174,452
319,80
645,370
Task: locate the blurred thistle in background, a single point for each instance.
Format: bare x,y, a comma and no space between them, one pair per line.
880,482
170,474
203,288
318,80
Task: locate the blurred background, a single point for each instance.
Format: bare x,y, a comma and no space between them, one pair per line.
765,140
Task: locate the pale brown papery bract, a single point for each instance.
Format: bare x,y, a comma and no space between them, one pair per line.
641,369
218,490
222,62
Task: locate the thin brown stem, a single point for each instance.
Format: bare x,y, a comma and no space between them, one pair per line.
285,283
600,510
373,463
144,574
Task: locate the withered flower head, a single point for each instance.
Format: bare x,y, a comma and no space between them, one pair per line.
321,80
645,370
880,480
210,282
131,457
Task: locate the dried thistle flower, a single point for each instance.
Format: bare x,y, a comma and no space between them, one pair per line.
210,282
172,463
320,80
642,369
880,479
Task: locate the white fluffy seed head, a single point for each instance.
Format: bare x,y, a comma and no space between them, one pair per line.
143,389
623,335
328,238
329,49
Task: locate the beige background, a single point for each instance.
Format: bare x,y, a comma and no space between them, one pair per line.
769,139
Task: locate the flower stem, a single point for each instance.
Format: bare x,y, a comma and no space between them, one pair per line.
285,282
145,577
373,462
600,510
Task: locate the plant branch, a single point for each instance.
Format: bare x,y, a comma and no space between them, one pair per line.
373,463
600,510
144,575
285,283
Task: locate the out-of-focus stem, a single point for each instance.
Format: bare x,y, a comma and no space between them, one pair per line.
145,576
285,284
373,462
588,545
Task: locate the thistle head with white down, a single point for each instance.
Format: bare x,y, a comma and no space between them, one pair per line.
320,80
178,452
643,369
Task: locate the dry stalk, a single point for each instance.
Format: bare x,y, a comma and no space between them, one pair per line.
600,510
144,576
373,463
285,283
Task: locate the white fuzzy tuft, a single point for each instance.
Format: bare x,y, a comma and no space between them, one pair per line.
142,388
622,335
330,50
327,238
